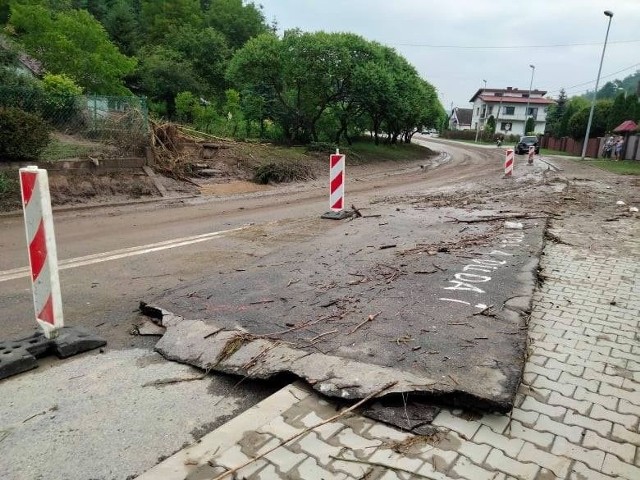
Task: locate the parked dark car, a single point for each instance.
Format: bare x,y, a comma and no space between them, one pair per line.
524,144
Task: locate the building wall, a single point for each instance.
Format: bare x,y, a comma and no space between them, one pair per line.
517,119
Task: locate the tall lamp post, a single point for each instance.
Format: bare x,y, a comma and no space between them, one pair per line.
609,14
526,111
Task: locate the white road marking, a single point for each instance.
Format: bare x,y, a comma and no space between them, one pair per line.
15,273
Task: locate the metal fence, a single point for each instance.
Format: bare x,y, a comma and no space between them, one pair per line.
120,122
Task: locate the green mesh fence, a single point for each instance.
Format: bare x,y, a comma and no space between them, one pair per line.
120,122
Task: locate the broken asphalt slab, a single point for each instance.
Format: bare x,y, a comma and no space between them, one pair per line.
404,296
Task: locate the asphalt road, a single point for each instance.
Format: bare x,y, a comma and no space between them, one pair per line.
111,258
103,292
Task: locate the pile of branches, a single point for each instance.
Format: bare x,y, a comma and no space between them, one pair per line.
170,159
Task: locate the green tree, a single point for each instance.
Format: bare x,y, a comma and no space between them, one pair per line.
121,23
207,50
632,107
601,115
529,126
490,127
618,112
160,18
555,114
72,42
574,105
238,21
163,73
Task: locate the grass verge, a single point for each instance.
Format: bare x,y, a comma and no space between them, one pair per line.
623,167
57,150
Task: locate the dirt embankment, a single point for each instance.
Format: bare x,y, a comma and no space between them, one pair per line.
190,166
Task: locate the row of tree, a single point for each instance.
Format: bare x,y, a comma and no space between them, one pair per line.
569,117
209,60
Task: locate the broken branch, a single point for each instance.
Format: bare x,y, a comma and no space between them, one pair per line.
370,318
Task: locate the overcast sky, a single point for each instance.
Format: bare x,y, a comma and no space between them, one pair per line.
418,30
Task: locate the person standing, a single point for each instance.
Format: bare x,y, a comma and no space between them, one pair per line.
618,148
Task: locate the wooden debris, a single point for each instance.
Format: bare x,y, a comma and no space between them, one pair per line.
307,430
370,318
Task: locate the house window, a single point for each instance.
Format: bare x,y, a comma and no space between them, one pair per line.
509,110
505,126
532,112
490,110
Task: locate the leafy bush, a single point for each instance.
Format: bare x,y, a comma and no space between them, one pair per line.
61,96
22,135
322,147
280,172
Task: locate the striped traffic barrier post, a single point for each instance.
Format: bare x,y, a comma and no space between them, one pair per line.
508,163
43,259
532,152
336,182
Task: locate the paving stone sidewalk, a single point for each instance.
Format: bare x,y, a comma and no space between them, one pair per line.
576,416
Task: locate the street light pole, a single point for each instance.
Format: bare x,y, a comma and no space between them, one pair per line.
526,111
609,14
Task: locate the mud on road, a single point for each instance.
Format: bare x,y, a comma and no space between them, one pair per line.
430,288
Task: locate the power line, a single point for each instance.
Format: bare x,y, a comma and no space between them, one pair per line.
593,81
507,47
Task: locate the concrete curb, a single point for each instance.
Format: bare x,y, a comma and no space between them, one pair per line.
182,463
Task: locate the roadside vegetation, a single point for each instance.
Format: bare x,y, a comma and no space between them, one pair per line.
215,66
622,167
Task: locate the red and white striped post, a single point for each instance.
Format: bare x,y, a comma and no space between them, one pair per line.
508,163
43,259
532,152
336,182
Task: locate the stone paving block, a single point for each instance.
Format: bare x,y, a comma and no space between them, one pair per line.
233,458
310,469
590,374
579,471
577,370
439,458
348,438
495,421
542,439
614,466
285,459
625,451
525,417
279,428
557,464
578,406
511,446
599,412
534,405
597,357
621,434
445,419
537,369
603,427
314,446
544,382
543,352
385,433
545,424
393,459
353,469
633,387
568,379
523,471
465,468
593,458
602,400
328,430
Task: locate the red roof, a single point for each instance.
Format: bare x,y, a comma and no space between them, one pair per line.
506,99
626,126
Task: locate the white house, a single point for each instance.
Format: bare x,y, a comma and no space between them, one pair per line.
508,109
